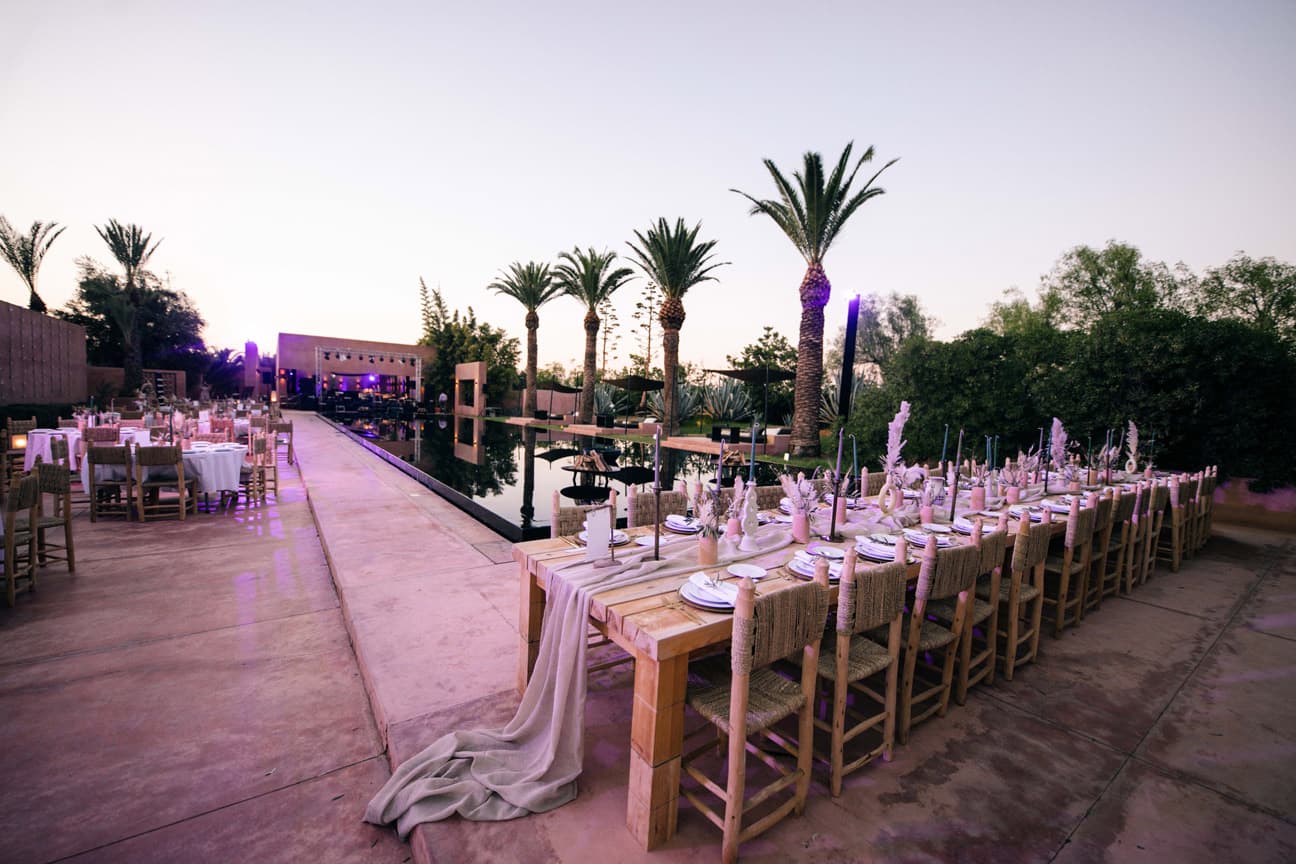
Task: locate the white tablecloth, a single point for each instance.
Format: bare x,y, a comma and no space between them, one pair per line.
38,444
215,468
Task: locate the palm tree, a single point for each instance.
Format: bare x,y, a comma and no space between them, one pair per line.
532,285
811,214
25,254
674,260
589,277
130,246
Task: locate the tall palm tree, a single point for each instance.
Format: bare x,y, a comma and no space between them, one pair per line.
674,260
131,247
532,285
590,278
25,253
811,214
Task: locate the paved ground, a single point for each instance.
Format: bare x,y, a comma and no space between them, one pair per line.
189,694
198,678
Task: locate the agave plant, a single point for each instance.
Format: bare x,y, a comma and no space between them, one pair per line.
728,400
609,399
688,399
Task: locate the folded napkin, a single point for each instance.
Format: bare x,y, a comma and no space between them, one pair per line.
721,592
808,561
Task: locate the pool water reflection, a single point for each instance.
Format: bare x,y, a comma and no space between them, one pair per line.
506,475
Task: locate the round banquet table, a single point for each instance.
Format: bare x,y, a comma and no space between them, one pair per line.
38,444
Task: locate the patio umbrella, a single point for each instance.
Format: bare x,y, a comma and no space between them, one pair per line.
555,387
758,375
636,384
553,454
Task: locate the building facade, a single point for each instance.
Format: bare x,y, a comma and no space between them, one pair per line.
315,365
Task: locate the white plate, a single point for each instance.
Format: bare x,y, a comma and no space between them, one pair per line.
832,553
708,601
619,538
883,539
749,570
935,528
802,565
678,529
682,521
647,540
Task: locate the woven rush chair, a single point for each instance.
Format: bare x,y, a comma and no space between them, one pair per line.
159,469
68,424
1205,504
876,479
1137,536
101,435
54,480
930,648
1173,544
1065,573
211,437
983,613
283,432
106,491
640,505
132,415
13,460
1158,502
768,497
570,521
19,540
755,699
851,664
1021,595
1104,526
225,425
252,473
1106,570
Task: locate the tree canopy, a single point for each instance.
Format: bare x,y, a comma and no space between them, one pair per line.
463,339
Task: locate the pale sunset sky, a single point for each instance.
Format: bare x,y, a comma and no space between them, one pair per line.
306,163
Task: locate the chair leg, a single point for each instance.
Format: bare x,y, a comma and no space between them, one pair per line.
1010,642
838,734
965,660
1059,611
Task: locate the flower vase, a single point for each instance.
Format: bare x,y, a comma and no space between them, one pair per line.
1073,486
978,496
733,528
708,550
1013,494
801,527
926,514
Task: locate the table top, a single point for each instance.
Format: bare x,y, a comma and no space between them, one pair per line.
652,618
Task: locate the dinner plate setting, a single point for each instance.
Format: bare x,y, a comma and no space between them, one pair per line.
717,596
619,538
682,524
803,564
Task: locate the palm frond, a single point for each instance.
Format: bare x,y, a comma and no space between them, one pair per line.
129,245
530,284
673,257
24,252
589,275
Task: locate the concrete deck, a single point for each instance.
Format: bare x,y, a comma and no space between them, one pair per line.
199,678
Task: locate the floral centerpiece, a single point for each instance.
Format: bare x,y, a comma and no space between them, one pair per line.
802,497
705,507
1132,442
893,465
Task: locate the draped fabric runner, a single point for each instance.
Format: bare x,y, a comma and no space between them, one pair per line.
532,763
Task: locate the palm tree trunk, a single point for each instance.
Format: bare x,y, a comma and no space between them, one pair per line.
591,365
815,290
529,397
670,362
133,362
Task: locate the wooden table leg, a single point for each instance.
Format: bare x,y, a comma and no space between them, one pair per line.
656,744
531,606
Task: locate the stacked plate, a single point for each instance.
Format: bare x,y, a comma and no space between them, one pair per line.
785,504
963,525
803,564
682,524
701,592
918,539
879,548
619,538
1036,511
851,503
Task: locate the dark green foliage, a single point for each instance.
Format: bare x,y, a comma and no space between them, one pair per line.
774,350
1212,392
462,339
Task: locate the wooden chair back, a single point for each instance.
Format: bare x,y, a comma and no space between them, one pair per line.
568,521
97,435
870,597
640,507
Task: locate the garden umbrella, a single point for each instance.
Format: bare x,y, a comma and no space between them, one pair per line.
555,387
636,383
758,375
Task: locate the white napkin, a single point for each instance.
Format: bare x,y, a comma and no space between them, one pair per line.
721,592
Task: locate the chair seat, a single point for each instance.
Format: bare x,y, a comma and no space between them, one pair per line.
932,636
945,609
1053,565
866,658
1027,593
771,697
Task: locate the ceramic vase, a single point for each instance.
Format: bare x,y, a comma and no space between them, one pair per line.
978,496
801,527
1013,494
733,528
708,550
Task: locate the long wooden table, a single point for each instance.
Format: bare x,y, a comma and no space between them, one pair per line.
659,630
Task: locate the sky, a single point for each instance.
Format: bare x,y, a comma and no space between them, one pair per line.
307,163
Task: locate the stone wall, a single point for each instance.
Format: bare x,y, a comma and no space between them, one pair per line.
42,359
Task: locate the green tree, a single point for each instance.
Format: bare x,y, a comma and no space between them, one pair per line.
132,248
1261,291
462,339
590,278
811,214
646,310
675,260
25,253
610,328
1090,283
170,325
774,350
532,285
884,325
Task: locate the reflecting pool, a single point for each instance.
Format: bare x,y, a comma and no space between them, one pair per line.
506,475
